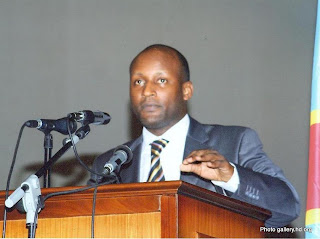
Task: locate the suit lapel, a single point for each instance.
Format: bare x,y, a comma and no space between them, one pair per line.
196,139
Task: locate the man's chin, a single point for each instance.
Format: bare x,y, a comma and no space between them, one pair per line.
151,125
154,123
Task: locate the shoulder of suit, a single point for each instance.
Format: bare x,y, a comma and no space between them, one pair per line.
218,131
227,129
223,128
226,134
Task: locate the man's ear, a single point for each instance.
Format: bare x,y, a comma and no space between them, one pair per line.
187,90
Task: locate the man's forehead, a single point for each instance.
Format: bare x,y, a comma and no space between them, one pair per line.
156,55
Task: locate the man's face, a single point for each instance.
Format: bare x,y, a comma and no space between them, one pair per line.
157,91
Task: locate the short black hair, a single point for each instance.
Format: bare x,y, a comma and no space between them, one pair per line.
183,61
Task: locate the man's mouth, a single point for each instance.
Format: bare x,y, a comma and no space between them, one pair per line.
150,107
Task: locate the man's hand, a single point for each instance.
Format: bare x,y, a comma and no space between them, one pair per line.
208,164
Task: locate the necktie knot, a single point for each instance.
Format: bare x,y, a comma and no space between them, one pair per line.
157,146
156,172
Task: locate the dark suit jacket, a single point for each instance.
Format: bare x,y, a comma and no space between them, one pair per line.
262,183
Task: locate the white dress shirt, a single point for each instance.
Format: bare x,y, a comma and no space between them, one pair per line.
172,155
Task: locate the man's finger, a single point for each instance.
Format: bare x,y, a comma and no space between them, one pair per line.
209,156
190,168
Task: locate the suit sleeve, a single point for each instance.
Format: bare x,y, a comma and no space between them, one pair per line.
262,183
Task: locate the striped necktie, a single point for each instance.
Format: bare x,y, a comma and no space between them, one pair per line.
156,172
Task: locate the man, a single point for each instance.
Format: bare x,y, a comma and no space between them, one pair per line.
225,159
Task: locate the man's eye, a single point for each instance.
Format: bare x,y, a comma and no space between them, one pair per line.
162,80
138,82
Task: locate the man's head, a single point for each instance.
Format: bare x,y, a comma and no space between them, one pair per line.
159,87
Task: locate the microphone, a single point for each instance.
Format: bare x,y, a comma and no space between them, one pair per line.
59,125
122,154
89,117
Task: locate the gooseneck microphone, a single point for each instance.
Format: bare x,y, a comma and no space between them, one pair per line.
122,154
90,117
59,125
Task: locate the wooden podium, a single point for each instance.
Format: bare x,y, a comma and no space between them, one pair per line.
142,210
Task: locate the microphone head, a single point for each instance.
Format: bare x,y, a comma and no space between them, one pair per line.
99,117
121,155
126,150
106,118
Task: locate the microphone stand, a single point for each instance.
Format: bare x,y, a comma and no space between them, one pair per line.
48,145
30,191
79,134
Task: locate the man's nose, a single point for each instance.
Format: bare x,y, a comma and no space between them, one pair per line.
149,90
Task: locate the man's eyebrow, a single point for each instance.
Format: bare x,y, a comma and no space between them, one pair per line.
138,73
